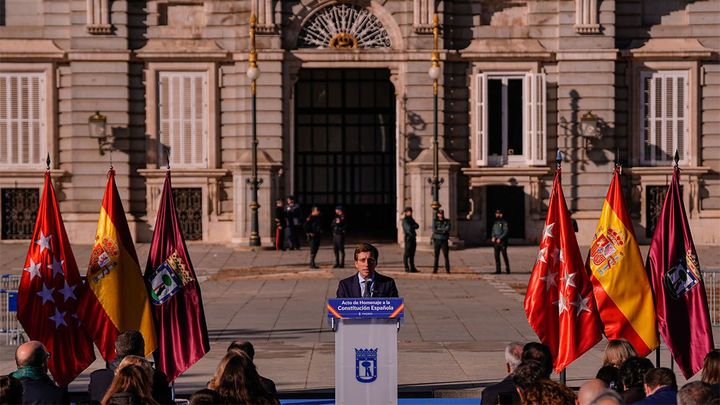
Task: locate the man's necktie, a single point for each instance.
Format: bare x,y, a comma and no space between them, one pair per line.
366,294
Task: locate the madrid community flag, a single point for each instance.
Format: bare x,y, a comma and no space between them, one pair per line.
680,300
175,294
620,283
49,291
559,303
116,299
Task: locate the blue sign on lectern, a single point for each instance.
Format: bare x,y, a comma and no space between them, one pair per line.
359,308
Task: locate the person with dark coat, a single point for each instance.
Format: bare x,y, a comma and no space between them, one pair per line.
505,391
660,387
366,283
338,230
293,222
499,236
409,227
441,234
313,229
129,342
249,349
279,224
32,362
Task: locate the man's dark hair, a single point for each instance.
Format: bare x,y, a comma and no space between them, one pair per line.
633,370
11,390
130,342
366,247
609,374
694,393
205,396
528,373
243,345
660,377
539,352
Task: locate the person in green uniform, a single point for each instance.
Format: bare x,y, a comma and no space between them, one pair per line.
500,234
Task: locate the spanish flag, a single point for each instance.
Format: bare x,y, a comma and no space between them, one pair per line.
116,299
620,283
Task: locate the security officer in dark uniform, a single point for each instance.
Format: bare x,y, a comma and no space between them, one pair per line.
279,224
409,226
293,221
441,234
313,229
338,230
500,234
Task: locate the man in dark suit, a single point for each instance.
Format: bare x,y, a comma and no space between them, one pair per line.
504,392
366,283
32,361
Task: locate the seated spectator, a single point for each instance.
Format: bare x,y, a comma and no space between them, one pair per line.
32,362
694,393
660,387
609,374
130,386
248,348
590,391
527,374
547,392
711,371
129,342
11,390
540,352
239,382
631,375
205,396
608,397
617,351
504,391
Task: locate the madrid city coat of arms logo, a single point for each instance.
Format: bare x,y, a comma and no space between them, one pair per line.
682,275
168,279
366,365
607,248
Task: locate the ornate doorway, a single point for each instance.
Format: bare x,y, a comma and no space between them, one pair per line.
345,147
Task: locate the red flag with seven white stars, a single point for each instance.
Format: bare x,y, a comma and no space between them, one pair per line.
559,303
49,291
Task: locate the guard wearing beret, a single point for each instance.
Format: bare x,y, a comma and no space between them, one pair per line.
338,230
500,234
313,229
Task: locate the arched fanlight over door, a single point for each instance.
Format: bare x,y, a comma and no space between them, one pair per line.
344,26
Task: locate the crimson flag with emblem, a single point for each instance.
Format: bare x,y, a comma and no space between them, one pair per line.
681,304
559,303
49,291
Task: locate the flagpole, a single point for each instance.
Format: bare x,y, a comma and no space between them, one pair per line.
558,160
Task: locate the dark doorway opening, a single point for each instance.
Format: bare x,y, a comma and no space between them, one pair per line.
511,201
345,148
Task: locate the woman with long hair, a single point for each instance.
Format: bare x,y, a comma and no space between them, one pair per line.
130,386
239,381
617,351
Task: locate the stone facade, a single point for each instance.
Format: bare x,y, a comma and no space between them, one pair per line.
517,77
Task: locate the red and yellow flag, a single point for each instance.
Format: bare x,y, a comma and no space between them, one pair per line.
620,283
116,299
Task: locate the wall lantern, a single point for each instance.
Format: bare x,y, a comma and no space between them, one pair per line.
589,127
96,130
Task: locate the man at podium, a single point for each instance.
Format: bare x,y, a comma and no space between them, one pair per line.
366,283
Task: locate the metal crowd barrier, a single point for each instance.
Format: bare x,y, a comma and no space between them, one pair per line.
712,289
9,325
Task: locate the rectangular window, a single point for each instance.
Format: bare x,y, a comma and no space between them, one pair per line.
182,108
505,118
22,119
664,112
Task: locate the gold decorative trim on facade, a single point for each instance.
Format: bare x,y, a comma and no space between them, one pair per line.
341,25
98,17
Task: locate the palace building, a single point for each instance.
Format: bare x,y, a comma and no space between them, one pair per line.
345,111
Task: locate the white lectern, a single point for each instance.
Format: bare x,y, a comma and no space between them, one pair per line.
365,349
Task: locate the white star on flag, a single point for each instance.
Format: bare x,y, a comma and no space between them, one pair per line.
44,242
33,269
67,291
56,267
541,255
58,318
549,280
581,304
547,231
568,279
46,294
562,304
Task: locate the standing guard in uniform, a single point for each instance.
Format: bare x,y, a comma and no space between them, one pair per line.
293,221
279,224
409,226
338,229
500,234
441,234
313,229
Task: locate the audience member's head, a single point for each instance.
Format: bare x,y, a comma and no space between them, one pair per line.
240,383
608,397
633,371
244,346
205,396
609,374
139,361
711,367
222,365
590,390
131,380
513,356
528,373
617,351
32,354
694,393
547,392
130,342
11,390
539,352
658,378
